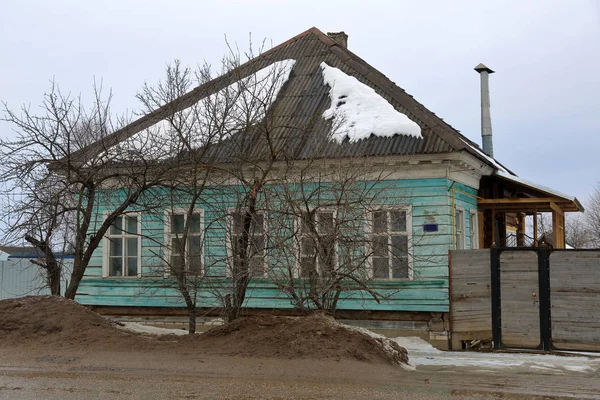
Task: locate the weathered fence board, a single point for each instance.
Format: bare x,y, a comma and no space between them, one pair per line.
567,316
518,293
575,299
470,295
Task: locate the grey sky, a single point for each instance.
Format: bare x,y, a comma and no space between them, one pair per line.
545,93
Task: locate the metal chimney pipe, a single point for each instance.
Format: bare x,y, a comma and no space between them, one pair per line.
486,118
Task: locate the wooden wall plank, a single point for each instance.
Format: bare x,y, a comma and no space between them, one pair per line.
470,292
520,308
575,296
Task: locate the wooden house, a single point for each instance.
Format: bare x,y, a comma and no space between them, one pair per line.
441,190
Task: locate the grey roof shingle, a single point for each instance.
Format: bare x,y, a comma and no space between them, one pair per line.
301,132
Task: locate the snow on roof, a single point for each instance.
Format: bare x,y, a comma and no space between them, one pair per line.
516,179
359,111
209,120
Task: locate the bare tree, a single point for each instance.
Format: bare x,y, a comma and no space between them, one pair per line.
577,233
61,182
210,129
251,152
336,228
190,134
592,217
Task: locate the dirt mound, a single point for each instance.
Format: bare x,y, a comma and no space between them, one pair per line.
50,322
317,337
54,321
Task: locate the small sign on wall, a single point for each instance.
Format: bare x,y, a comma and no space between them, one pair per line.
430,227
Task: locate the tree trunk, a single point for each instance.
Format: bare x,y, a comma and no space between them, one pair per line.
192,320
76,277
54,273
241,267
52,267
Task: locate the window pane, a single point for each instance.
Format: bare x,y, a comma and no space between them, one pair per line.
399,245
380,246
326,222
236,221
380,268
327,260
380,221
195,246
132,247
257,267
175,262
115,266
195,264
177,246
117,227
307,246
306,266
195,223
259,223
459,220
177,223
398,221
305,222
258,245
400,267
132,266
116,247
132,224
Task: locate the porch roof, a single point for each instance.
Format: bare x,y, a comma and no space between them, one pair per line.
538,198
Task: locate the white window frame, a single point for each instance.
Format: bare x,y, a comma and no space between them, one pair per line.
229,231
474,228
462,233
298,230
106,247
369,231
168,235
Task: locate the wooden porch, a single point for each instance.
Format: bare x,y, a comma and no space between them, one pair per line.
506,200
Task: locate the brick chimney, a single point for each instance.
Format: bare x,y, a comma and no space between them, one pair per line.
340,38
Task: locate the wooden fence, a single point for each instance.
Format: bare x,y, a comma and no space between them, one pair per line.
526,298
19,277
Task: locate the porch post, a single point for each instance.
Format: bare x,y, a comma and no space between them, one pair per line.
558,226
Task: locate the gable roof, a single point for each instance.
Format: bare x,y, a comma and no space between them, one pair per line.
305,96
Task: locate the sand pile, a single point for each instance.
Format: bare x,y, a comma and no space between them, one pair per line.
53,321
50,322
317,337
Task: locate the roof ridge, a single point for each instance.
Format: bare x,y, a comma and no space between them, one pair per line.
132,128
444,131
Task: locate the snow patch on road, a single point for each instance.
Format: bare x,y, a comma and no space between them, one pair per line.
150,330
422,354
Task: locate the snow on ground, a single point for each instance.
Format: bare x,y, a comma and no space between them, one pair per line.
151,330
359,111
422,354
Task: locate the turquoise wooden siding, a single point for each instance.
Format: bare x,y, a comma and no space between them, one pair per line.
430,199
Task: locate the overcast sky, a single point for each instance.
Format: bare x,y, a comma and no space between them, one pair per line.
545,94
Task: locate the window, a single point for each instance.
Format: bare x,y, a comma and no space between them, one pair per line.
256,241
123,247
390,243
191,249
317,242
474,225
459,226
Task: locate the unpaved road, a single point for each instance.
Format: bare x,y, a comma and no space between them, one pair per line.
140,375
